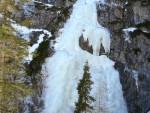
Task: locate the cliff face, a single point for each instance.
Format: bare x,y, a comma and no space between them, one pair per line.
129,46
130,50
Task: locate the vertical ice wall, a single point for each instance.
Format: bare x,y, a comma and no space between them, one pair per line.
65,67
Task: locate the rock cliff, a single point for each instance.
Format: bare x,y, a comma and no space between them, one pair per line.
129,24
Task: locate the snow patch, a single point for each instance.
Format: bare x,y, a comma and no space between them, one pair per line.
126,33
146,31
31,49
25,32
126,3
131,29
113,4
47,5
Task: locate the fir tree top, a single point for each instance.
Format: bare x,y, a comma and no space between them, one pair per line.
84,88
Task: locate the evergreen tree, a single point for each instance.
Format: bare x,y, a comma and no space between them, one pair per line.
84,88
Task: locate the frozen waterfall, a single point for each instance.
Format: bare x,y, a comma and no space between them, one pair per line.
65,67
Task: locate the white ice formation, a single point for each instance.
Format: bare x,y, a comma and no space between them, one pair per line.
65,67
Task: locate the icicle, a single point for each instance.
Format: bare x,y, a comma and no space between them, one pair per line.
135,75
106,41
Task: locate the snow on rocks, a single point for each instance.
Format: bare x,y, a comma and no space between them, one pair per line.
131,29
126,33
43,4
25,32
32,49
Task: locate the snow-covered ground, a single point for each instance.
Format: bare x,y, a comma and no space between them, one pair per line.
65,68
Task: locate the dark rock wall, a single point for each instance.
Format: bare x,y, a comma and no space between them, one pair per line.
132,58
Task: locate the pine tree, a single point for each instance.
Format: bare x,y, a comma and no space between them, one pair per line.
84,88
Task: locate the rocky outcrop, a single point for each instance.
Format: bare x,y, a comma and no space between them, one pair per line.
132,56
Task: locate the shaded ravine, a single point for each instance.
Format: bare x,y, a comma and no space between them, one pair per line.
65,67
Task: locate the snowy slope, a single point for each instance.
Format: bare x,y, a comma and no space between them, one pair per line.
65,67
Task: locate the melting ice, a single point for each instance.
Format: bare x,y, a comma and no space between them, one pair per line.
65,67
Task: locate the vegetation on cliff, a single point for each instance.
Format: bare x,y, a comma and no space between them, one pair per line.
12,72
